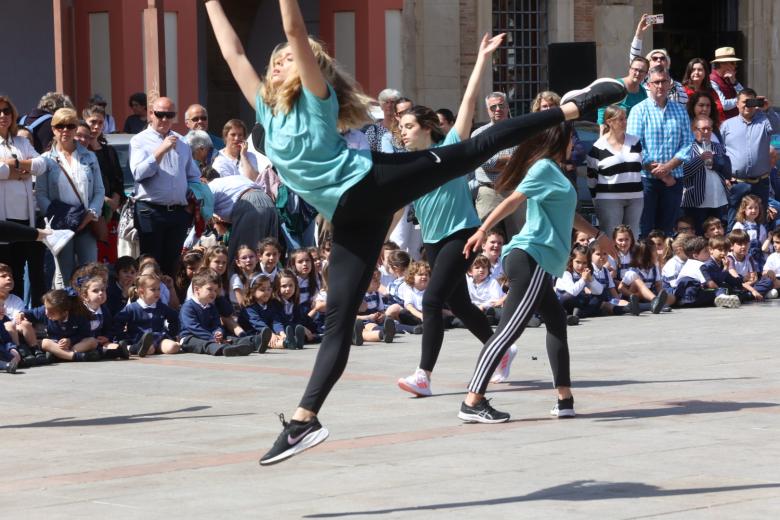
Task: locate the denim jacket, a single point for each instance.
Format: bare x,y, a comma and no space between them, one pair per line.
47,187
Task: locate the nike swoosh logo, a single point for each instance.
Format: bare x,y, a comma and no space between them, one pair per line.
436,158
296,440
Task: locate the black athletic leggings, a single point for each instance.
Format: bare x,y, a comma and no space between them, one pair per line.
363,216
530,290
448,285
13,232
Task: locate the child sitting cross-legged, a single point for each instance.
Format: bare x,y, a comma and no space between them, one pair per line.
672,267
201,329
297,322
717,276
740,264
147,324
371,323
21,332
578,290
772,265
691,287
9,355
643,281
263,315
484,291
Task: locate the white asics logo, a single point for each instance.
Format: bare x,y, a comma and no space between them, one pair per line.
436,158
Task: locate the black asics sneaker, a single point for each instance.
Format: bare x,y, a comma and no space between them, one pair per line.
600,93
564,408
481,412
296,436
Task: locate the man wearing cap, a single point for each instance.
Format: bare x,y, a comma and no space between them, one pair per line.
747,139
724,81
656,58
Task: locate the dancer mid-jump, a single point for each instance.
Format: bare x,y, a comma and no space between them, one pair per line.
303,102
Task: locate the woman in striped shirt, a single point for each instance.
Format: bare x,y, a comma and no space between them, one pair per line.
615,173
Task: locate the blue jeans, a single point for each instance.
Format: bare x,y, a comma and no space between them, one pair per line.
161,233
739,190
662,206
82,249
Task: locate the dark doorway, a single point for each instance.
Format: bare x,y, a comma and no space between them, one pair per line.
695,28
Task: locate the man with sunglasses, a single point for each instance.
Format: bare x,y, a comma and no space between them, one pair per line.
657,58
162,165
196,117
488,198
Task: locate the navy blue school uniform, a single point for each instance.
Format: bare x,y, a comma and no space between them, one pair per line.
75,328
755,253
199,321
589,304
256,317
114,298
714,272
297,314
603,277
305,292
6,345
137,318
373,302
100,322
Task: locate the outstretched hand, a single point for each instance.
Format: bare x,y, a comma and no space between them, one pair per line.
642,26
488,45
474,243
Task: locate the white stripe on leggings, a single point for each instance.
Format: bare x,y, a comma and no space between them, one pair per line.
499,344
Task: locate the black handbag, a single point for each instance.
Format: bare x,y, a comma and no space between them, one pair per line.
64,216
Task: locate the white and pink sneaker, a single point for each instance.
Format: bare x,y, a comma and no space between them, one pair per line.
502,372
417,384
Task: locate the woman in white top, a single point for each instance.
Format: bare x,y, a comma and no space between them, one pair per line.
70,166
235,158
615,174
19,163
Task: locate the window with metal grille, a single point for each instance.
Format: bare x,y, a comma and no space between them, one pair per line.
520,65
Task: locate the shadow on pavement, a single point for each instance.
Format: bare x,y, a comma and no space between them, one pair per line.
578,490
60,422
675,408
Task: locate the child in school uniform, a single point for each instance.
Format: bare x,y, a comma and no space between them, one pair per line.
412,292
772,265
201,329
484,291
263,315
189,264
295,316
216,261
611,303
713,227
672,266
624,243
148,265
399,262
92,292
740,264
67,327
147,324
372,324
245,272
491,248
386,273
578,290
126,269
301,263
643,281
750,218
21,332
717,276
691,288
268,251
9,353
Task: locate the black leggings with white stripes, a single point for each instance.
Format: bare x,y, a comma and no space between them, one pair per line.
530,290
363,216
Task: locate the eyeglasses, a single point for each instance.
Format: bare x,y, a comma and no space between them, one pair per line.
6,111
659,82
658,57
638,71
196,119
497,107
70,126
164,115
705,129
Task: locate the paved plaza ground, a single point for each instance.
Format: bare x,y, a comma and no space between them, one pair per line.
678,417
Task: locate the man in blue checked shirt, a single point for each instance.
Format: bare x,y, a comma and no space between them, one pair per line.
664,130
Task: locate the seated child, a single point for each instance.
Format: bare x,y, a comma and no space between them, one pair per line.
9,355
713,227
399,262
126,269
148,265
201,328
371,323
67,327
581,238
691,288
750,218
578,290
643,281
772,265
386,273
93,294
412,292
263,315
672,266
268,251
189,264
716,275
18,330
611,304
295,317
245,272
301,263
624,243
484,291
491,248
147,324
741,265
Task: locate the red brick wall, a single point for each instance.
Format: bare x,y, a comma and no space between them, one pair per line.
583,21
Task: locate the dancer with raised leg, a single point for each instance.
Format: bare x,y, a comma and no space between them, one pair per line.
303,103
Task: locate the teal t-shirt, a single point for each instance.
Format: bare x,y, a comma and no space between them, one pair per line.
546,235
307,150
630,100
448,208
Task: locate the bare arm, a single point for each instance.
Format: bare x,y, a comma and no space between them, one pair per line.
507,206
466,112
295,30
233,52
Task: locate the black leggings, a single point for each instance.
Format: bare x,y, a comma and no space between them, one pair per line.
363,216
13,232
530,290
448,285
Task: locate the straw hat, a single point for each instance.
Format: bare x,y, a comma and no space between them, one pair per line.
725,54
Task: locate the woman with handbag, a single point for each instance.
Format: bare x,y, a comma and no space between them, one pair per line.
71,192
19,163
113,181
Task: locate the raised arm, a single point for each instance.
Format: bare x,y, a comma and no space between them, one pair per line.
466,112
233,51
303,57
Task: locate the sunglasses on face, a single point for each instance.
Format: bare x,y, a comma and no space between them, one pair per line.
496,107
660,57
196,119
6,111
69,126
164,115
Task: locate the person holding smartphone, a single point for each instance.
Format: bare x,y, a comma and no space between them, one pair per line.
235,158
747,139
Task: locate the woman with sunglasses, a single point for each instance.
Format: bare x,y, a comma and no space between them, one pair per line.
19,163
303,104
72,177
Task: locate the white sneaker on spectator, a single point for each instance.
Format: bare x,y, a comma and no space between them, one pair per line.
772,295
502,372
728,301
417,384
58,239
